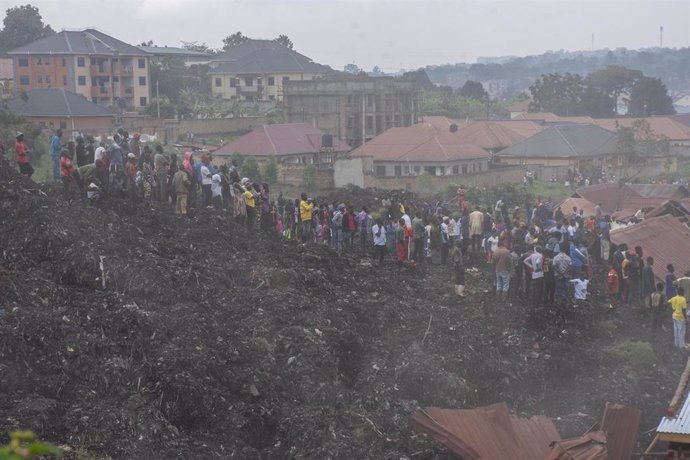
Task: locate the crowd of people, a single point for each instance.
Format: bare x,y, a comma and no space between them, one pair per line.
535,253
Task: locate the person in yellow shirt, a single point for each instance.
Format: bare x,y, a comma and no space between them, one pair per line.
679,305
305,210
250,203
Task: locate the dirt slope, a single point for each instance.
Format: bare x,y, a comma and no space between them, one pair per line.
210,342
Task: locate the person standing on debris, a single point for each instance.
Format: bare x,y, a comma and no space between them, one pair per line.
362,220
306,206
445,240
577,259
603,230
379,235
216,191
22,156
400,247
580,285
349,228
418,235
561,270
535,264
476,228
337,229
250,203
66,172
502,264
180,185
612,287
657,302
206,183
55,153
647,280
117,165
458,268
679,305
161,169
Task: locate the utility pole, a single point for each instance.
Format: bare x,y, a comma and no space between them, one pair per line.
661,36
158,101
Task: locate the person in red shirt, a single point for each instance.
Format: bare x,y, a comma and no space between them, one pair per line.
66,171
612,286
22,157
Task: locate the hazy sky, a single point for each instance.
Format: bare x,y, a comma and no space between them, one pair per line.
392,34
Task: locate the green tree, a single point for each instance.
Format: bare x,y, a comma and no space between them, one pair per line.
169,73
309,177
233,40
473,90
352,69
649,96
196,46
22,25
12,123
270,174
251,169
167,108
284,40
376,71
24,446
559,94
146,43
613,80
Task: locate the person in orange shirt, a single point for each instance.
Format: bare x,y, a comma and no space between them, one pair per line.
612,286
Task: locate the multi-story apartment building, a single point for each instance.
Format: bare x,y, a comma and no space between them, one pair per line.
353,108
257,70
97,66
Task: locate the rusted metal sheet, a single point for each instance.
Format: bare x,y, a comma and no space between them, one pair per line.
620,423
590,446
665,238
489,432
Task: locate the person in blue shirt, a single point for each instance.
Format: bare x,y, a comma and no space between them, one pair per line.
577,260
55,152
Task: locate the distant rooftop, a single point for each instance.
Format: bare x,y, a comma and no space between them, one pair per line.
173,51
88,41
56,102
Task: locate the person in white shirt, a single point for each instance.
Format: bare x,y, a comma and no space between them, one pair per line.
378,232
216,191
206,181
535,262
580,285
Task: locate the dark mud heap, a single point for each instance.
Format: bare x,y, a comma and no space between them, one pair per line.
211,342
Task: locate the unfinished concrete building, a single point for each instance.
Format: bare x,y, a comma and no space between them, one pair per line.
353,108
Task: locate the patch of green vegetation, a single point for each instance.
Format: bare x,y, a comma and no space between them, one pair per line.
638,355
262,344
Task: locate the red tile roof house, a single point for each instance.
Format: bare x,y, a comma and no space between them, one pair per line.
396,157
291,144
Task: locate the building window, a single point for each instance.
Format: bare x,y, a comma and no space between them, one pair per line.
456,170
142,81
63,125
23,62
474,167
271,97
398,170
219,82
480,167
46,61
94,81
233,82
81,62
380,171
24,80
39,61
286,78
116,79
81,79
369,122
142,65
271,81
248,82
464,169
48,79
142,101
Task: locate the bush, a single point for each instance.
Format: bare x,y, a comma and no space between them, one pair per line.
638,355
250,169
309,177
271,170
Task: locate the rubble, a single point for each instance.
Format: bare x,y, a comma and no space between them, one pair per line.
208,341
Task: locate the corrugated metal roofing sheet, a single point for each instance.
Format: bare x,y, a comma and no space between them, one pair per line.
489,432
620,423
665,238
590,446
668,191
566,141
680,424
